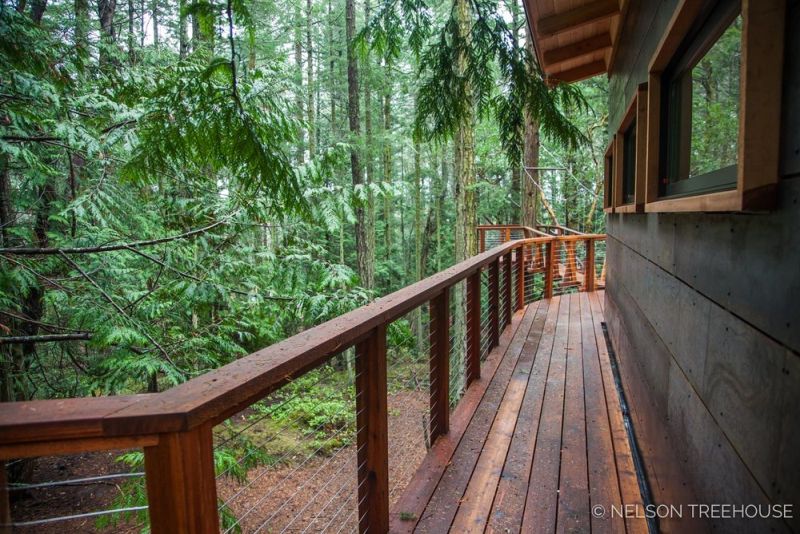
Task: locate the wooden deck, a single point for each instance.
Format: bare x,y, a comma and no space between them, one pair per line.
538,442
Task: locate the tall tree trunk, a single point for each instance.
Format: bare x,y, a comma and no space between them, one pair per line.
465,239
312,147
368,159
37,10
183,38
332,68
318,98
529,203
440,196
156,40
366,260
418,274
516,171
387,160
131,34
196,38
432,232
33,300
202,38
530,187
108,35
465,244
82,31
298,92
5,202
11,355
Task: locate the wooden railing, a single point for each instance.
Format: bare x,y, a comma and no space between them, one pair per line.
564,262
175,427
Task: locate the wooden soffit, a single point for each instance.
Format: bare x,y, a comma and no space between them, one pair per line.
574,39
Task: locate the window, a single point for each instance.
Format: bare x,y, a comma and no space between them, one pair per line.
701,109
608,178
631,155
629,164
714,108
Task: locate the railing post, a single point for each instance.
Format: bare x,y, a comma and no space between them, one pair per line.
440,364
181,486
372,438
494,303
473,365
482,238
508,235
508,282
5,503
521,277
588,276
549,261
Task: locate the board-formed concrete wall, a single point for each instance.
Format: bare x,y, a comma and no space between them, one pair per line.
703,311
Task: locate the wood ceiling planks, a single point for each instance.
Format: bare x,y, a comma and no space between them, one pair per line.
574,39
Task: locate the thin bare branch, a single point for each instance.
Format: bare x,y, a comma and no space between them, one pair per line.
45,338
34,251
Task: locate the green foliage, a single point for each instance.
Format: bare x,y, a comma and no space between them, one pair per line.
319,405
491,57
198,117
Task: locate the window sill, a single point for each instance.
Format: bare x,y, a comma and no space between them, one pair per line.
629,208
720,201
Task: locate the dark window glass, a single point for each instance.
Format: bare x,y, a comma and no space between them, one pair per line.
701,108
629,164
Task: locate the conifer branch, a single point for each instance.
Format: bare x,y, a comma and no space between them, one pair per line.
117,307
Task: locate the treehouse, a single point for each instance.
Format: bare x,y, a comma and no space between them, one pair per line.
640,380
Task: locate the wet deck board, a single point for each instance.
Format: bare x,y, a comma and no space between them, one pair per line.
545,443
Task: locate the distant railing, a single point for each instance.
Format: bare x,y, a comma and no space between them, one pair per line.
339,471
578,259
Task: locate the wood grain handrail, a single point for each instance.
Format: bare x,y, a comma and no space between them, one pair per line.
218,394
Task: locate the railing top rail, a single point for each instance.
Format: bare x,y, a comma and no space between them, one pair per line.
534,231
527,229
218,394
564,229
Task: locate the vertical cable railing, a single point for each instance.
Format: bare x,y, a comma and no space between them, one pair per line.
600,263
287,463
410,374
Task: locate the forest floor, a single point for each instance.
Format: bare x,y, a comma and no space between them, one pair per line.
308,494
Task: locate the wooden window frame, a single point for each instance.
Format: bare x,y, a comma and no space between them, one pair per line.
637,111
609,160
761,79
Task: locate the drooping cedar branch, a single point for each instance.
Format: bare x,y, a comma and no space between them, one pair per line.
197,279
35,251
45,338
117,306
